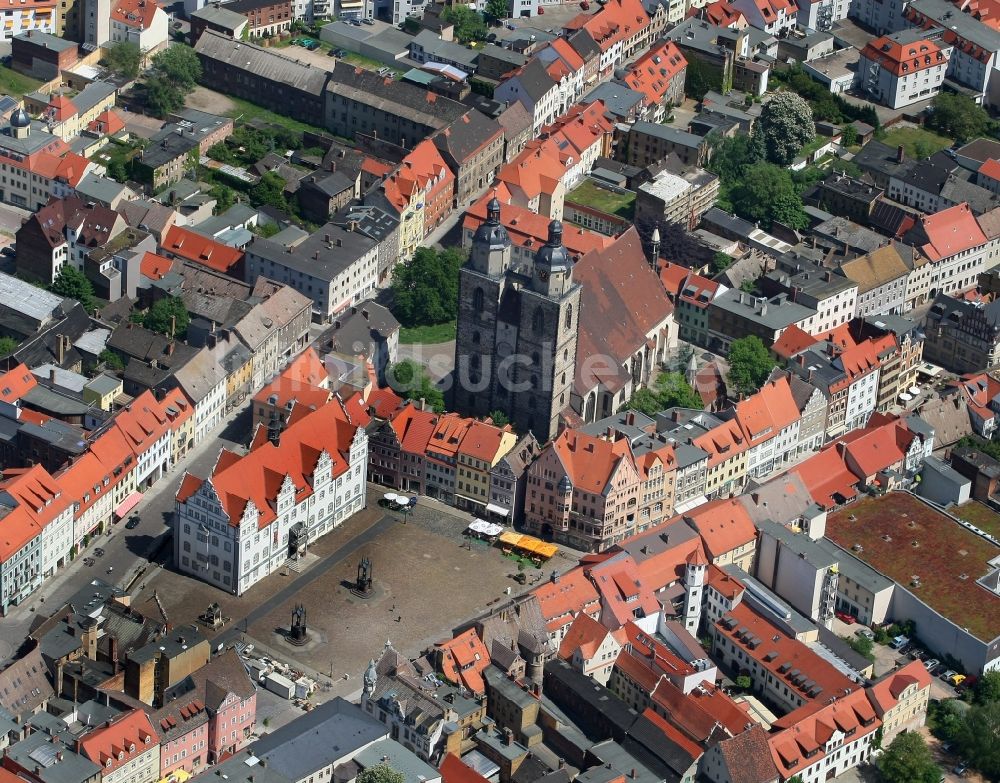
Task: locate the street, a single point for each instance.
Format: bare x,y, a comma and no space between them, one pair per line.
125,551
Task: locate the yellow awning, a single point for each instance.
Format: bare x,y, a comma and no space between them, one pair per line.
514,539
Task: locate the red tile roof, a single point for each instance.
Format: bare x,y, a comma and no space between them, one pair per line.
192,246
464,659
135,13
561,600
991,169
904,58
454,770
622,590
764,415
108,122
827,478
536,170
531,230
423,174
618,20
653,73
258,476
792,341
586,635
885,692
60,108
155,266
590,462
38,499
16,382
119,742
724,525
951,231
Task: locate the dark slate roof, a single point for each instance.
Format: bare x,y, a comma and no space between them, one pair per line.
535,80
584,45
881,158
467,135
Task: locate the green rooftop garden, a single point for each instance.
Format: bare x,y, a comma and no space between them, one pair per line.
590,194
983,517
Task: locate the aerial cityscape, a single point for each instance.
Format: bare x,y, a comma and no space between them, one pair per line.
499,391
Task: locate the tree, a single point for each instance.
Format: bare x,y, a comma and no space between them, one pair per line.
749,364
700,77
945,719
469,24
116,170
863,646
168,316
767,194
7,345
908,760
425,291
270,191
380,773
957,116
111,360
987,688
411,380
72,283
224,197
124,58
785,125
744,682
500,418
496,10
721,262
670,390
977,737
180,65
162,96
849,136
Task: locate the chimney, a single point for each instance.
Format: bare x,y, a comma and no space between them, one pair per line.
61,349
508,737
326,238
340,242
170,349
352,226
52,374
802,359
562,764
115,663
900,154
630,418
364,314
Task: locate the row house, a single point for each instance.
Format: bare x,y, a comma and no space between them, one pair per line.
955,244
541,94
38,532
659,76
257,511
126,748
274,330
769,421
981,392
305,381
536,181
420,193
690,294
900,69
962,336
881,277
565,65
578,138
472,146
564,597
620,29
36,165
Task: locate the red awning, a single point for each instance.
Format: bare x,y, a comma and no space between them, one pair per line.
128,504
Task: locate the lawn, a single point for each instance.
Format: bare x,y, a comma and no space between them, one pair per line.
14,83
367,62
428,335
114,151
917,142
589,194
983,517
245,111
903,537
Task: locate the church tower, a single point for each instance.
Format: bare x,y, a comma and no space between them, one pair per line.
695,573
546,340
482,281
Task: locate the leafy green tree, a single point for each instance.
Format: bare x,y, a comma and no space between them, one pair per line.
224,197
700,77
908,760
380,773
7,345
425,290
987,688
957,116
72,283
162,96
767,194
863,646
270,191
749,364
469,24
180,65
496,10
849,136
748,286
124,58
945,719
732,155
785,125
116,170
744,682
670,390
721,262
168,316
111,360
977,737
411,380
500,418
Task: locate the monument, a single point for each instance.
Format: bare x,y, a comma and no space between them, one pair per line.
363,585
298,634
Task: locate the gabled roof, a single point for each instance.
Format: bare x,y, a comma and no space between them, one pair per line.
951,231
748,758
423,173
464,659
200,249
135,13
899,55
590,462
653,73
118,743
875,269
724,525
560,600
586,635
885,692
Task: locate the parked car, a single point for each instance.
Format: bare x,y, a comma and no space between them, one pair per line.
899,642
932,664
511,26
98,552
132,523
844,617
956,679
313,46
88,561
368,21
948,674
960,769
868,633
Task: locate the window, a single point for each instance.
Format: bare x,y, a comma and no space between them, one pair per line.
538,321
477,300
